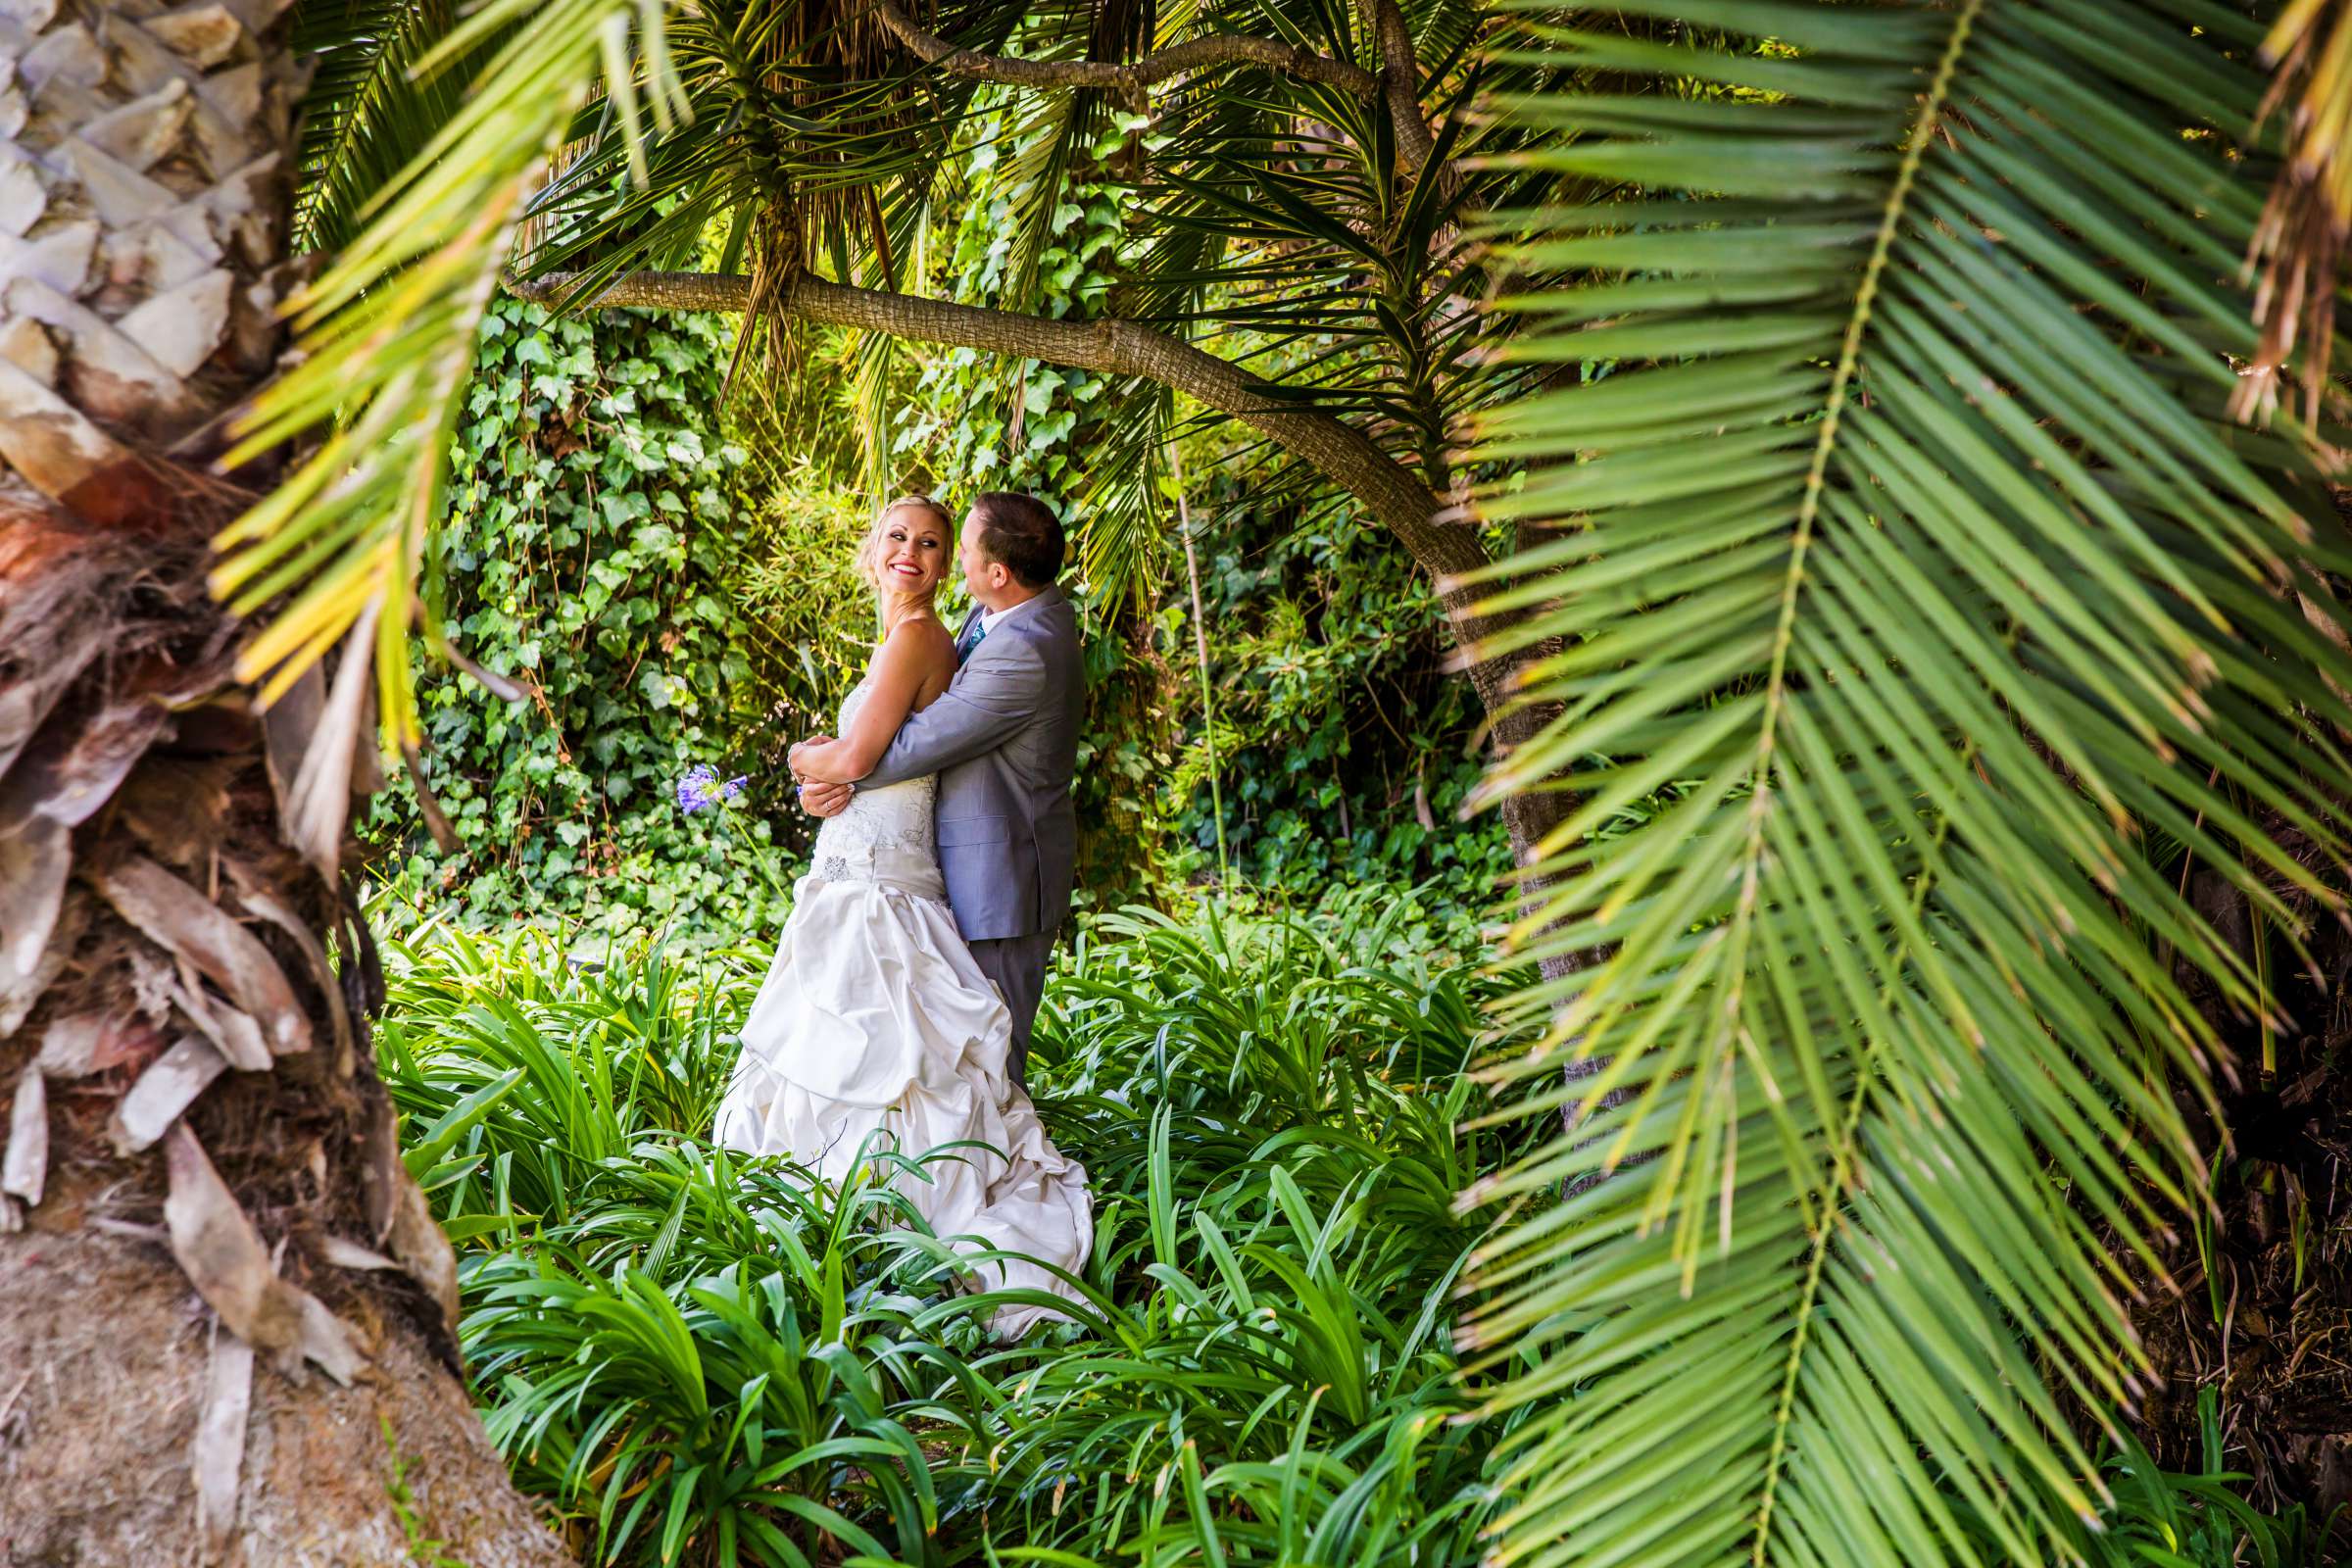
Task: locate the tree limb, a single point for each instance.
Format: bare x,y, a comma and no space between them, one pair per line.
1400,80
1128,81
659,291
1115,347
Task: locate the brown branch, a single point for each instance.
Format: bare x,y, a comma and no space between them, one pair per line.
659,291
1128,81
1115,347
1400,80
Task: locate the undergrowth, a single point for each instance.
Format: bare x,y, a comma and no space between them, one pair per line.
696,1358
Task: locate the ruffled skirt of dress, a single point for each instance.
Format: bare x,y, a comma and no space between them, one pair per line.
875,1019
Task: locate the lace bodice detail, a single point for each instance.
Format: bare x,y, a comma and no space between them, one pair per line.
886,834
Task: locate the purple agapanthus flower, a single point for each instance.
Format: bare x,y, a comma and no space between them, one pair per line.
701,787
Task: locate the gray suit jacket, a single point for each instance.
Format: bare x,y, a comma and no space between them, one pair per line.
1004,740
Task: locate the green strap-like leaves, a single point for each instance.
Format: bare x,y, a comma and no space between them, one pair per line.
1913,581
389,333
366,113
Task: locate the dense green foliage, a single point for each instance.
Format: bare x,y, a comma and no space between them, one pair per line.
1344,739
699,1360
695,1357
591,557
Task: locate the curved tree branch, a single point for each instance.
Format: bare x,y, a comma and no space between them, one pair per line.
1115,347
1446,551
1129,80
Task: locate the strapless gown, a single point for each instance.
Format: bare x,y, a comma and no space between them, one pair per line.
874,1019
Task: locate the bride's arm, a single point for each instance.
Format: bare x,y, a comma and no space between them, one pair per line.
905,659
1000,689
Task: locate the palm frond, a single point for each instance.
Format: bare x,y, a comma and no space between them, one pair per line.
873,395
803,118
1906,559
2298,246
1125,515
1056,143
366,111
1039,173
389,333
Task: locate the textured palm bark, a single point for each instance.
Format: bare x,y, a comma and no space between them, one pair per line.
219,1293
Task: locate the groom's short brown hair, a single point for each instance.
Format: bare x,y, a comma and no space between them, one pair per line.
1020,533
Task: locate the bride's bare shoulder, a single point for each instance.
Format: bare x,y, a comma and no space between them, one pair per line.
925,634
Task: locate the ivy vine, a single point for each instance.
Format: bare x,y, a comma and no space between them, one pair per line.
589,555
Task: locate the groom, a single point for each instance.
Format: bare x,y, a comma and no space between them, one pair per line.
1003,741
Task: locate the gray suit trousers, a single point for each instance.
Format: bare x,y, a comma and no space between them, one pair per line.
1017,966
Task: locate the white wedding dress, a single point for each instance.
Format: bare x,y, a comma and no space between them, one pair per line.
874,1018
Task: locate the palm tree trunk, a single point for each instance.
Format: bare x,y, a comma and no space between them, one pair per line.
200,1162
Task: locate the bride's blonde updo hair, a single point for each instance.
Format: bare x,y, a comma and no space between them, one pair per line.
889,602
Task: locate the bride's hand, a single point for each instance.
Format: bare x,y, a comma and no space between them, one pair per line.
822,759
825,800
792,758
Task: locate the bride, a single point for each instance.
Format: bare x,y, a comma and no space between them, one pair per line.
874,1019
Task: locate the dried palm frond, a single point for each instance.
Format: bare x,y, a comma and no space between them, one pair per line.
2297,248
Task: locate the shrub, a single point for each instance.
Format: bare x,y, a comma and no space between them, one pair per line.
702,1359
589,555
